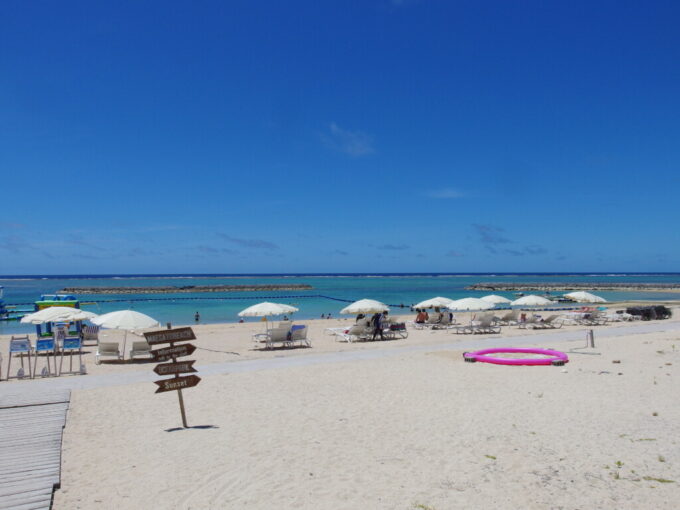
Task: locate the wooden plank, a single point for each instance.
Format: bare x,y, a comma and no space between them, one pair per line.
29,475
36,466
41,486
34,398
31,430
10,502
38,505
32,506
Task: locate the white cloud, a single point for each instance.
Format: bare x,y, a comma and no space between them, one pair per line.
354,143
445,193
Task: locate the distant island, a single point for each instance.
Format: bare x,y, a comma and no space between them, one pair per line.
184,289
549,287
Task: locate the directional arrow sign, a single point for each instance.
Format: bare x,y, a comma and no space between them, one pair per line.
179,367
169,352
169,335
177,383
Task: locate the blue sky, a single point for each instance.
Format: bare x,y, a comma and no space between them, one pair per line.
308,136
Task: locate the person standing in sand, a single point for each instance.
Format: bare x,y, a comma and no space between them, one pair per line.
377,322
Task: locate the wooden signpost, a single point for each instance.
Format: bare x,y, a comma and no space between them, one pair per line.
176,383
173,352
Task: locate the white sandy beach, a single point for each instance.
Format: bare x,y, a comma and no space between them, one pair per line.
404,424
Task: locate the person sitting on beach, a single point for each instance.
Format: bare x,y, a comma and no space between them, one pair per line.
440,316
422,316
323,315
328,316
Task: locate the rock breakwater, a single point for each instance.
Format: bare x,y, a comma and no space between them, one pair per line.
184,289
549,287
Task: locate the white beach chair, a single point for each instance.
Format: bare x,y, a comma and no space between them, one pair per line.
553,321
338,333
485,325
277,335
529,323
509,319
299,334
140,348
110,349
359,332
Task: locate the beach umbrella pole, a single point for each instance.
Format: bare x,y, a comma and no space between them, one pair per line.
124,344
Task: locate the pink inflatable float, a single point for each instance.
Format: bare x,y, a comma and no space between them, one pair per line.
556,358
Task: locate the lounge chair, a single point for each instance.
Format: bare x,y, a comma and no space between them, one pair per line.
529,323
299,334
140,348
107,349
553,321
444,323
395,330
277,335
89,333
20,346
485,325
595,319
359,332
509,319
433,321
283,328
338,333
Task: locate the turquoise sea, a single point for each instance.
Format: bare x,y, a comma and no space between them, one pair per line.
393,289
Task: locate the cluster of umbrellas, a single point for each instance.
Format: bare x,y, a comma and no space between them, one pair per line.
488,302
370,306
126,320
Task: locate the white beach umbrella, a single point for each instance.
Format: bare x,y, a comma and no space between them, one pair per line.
531,300
82,315
436,302
496,300
57,314
266,309
127,320
470,304
585,297
365,306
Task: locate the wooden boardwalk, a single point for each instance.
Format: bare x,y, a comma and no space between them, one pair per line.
31,427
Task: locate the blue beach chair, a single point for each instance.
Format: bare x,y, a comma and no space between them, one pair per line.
71,345
47,346
21,346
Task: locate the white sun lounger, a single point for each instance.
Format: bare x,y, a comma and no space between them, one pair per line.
110,349
299,334
140,348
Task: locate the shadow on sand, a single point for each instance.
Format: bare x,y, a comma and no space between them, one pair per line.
199,427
